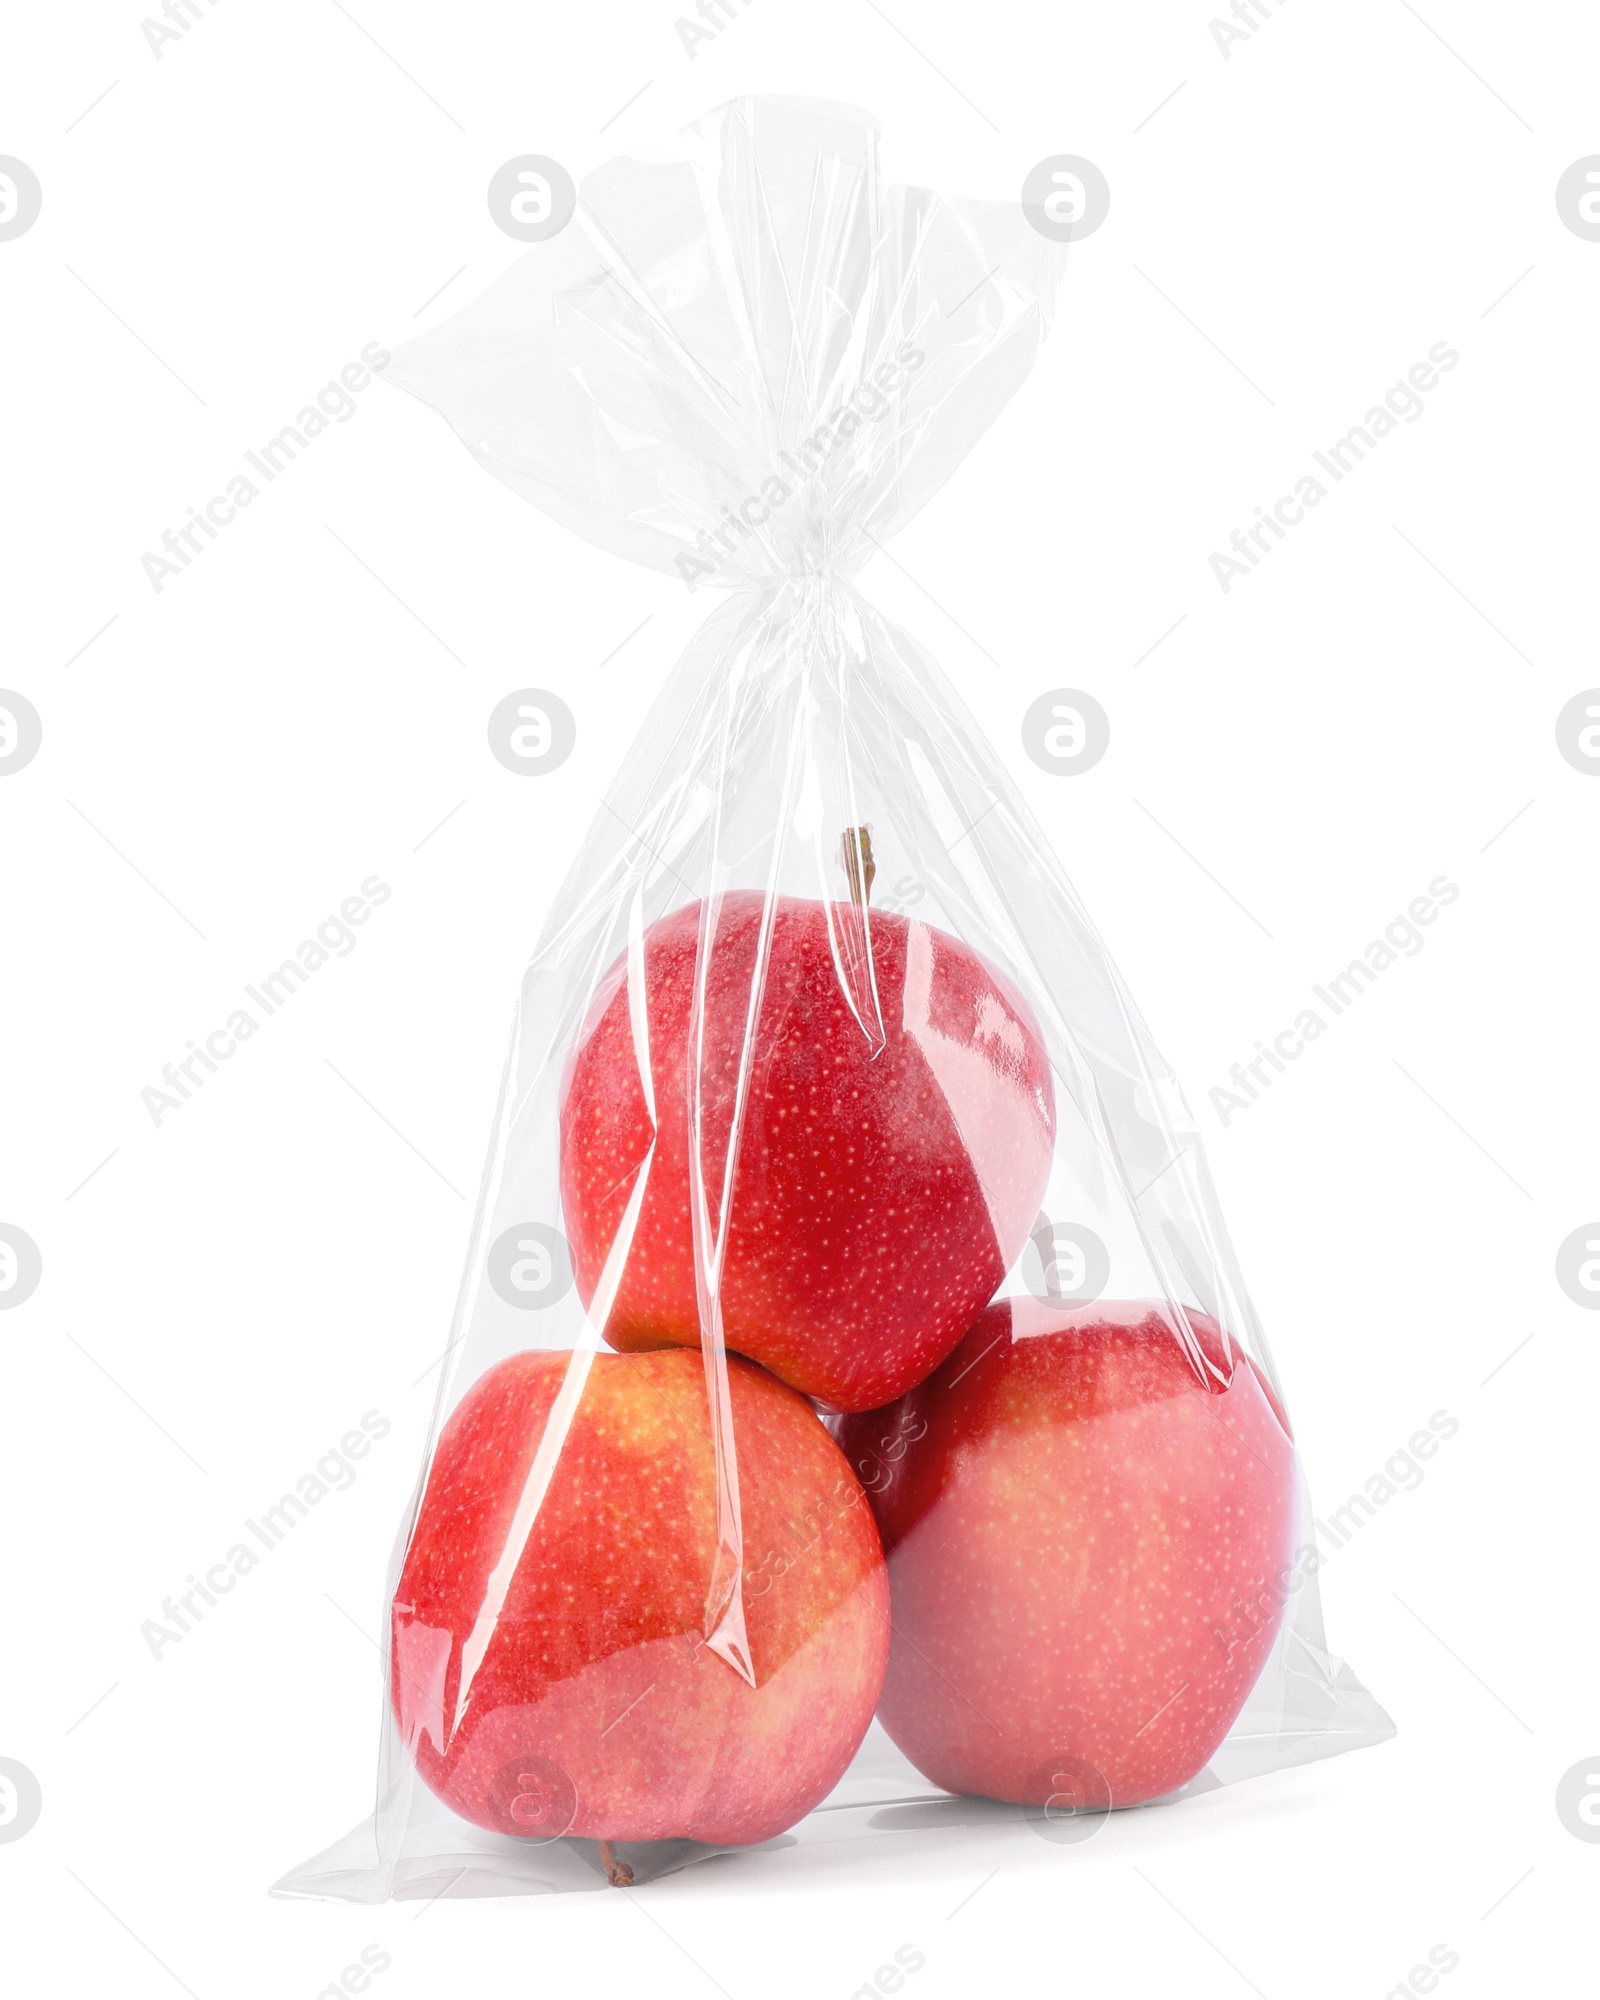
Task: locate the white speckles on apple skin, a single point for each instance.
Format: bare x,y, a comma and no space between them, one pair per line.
596,1689
863,1237
1070,1535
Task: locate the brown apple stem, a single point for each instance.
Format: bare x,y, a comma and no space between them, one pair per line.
618,1873
856,848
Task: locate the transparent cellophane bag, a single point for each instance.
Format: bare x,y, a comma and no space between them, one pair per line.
747,361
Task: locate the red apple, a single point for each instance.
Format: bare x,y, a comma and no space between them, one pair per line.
1087,1520
896,1137
550,1672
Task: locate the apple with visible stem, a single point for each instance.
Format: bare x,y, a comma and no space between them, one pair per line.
894,1119
550,1671
1087,1515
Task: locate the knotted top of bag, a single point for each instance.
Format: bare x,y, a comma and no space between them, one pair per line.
748,357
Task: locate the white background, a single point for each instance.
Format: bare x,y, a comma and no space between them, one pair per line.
1289,767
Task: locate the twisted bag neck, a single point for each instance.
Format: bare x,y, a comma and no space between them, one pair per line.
749,357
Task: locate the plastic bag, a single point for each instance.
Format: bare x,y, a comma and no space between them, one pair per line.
817,1056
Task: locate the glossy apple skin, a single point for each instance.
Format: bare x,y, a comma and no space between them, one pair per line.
594,1708
885,1178
1087,1549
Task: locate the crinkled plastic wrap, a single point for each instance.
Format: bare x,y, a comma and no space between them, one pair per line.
854,1421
